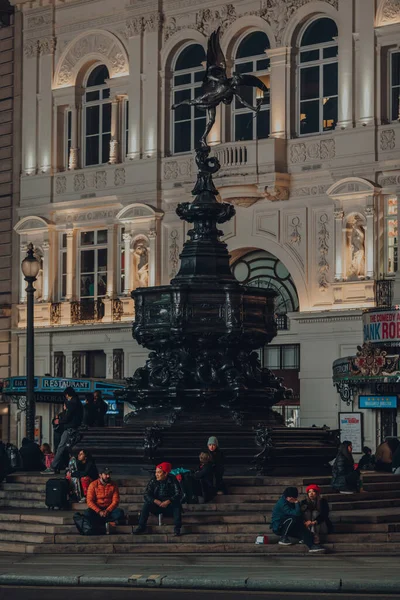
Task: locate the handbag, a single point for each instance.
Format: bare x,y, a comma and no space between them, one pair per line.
74,437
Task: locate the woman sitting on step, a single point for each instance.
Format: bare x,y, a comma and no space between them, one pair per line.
204,477
316,512
345,478
81,472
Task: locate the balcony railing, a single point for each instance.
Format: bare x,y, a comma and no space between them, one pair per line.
87,311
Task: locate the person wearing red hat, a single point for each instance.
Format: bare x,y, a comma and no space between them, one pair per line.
162,497
316,512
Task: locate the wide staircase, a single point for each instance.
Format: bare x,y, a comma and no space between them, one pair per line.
364,524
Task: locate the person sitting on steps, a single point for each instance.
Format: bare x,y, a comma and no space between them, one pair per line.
81,472
384,455
218,460
367,461
204,477
162,497
31,456
316,512
103,500
345,478
287,520
47,454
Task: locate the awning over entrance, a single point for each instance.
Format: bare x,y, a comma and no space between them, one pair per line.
51,389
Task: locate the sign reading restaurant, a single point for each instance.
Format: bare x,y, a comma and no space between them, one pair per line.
381,326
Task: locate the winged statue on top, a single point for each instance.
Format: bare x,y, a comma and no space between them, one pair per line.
217,87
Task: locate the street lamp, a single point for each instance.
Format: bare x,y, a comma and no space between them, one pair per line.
30,268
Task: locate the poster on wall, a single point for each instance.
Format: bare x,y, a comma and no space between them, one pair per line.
350,425
38,430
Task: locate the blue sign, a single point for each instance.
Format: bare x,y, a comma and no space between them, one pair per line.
57,386
377,401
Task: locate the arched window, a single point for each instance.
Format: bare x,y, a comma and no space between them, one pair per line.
188,121
250,58
97,115
318,77
263,270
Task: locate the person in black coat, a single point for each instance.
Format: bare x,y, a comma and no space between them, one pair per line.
367,461
205,477
71,419
162,496
218,460
31,456
316,512
101,408
345,478
89,411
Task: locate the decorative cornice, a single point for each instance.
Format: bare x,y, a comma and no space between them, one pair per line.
47,45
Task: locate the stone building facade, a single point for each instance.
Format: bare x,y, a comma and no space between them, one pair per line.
314,175
10,54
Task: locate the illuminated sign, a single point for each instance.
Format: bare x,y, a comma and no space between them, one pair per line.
377,401
381,326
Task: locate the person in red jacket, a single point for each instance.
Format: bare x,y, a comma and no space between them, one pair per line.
103,500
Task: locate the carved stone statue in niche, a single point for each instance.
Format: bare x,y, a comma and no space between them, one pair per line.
356,243
140,263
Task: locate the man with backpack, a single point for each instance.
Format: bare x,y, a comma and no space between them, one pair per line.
162,497
70,420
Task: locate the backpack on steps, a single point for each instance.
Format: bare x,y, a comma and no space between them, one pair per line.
85,526
189,489
57,493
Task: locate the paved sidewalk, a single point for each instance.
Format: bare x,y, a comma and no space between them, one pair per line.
308,573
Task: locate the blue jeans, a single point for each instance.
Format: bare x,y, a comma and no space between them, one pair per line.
117,516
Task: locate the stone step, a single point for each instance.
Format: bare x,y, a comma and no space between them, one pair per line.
18,536
22,503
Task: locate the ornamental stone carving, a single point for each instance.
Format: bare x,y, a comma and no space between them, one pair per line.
36,21
102,43
47,45
173,252
295,236
79,182
321,150
61,185
323,250
152,23
278,13
101,180
390,12
31,48
86,217
276,193
208,19
388,139
119,177
134,27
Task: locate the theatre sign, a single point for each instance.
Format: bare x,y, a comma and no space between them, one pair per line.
381,326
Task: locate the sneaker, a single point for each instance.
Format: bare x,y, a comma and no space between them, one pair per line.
48,472
82,501
284,541
301,541
315,548
138,530
345,492
177,533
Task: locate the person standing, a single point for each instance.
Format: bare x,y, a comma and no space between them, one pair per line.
100,409
70,421
103,500
162,497
287,520
89,411
218,460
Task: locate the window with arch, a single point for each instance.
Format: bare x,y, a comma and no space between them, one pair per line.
395,86
318,77
97,117
250,58
188,122
262,269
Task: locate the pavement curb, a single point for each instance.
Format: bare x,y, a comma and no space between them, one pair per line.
203,583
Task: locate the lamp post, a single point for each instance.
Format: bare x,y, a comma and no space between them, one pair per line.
30,268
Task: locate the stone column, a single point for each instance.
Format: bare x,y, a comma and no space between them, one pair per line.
68,363
278,57
339,244
73,161
153,257
46,51
22,254
134,30
369,242
127,247
109,364
111,271
29,106
114,142
365,62
151,87
70,264
345,66
46,270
